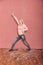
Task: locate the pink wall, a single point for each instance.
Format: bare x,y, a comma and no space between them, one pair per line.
31,12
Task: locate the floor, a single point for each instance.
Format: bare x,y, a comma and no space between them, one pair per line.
21,57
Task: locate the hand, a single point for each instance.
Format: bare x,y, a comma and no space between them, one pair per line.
12,14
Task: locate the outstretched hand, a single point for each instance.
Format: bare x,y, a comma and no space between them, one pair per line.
12,14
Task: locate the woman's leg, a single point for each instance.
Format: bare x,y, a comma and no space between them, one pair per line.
25,42
17,39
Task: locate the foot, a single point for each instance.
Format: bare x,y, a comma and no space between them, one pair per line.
29,49
10,49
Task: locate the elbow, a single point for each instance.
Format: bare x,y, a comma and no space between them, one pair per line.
26,28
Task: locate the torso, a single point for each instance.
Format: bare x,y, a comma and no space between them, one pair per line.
21,29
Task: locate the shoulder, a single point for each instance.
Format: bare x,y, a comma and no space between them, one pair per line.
23,24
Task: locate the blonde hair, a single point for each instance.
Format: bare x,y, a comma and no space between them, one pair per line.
21,20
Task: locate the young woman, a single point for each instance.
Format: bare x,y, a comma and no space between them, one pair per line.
21,30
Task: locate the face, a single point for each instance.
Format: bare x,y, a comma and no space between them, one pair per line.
21,21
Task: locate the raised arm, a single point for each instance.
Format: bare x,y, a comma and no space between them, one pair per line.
15,18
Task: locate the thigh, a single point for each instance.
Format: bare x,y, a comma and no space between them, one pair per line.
17,38
23,37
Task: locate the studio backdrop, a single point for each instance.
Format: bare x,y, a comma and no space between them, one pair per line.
31,12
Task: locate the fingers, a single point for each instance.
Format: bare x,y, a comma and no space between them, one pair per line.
12,14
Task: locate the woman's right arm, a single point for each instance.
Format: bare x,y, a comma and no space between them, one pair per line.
15,18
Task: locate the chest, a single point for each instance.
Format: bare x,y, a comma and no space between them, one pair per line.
20,27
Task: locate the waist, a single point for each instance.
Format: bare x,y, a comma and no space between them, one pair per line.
21,35
20,32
